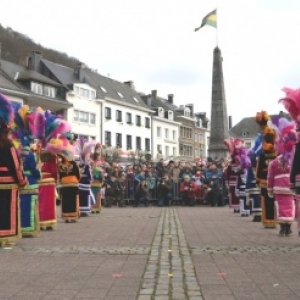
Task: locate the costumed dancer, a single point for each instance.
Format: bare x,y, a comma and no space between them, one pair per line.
11,178
245,163
232,173
29,193
252,190
268,154
291,102
47,184
278,183
68,177
86,199
96,185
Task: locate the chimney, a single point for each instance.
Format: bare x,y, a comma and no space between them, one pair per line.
191,107
80,66
34,60
154,94
281,114
170,98
229,122
130,84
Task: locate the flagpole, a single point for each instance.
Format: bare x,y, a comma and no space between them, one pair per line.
217,28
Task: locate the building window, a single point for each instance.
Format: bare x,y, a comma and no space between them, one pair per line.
147,145
85,93
187,112
108,138
119,116
92,118
107,113
174,152
129,142
174,135
158,133
186,150
138,120
119,139
248,145
83,117
166,133
138,143
186,132
128,118
93,95
159,149
147,122
36,88
167,151
49,91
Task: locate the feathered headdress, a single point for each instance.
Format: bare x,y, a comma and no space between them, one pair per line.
36,123
286,138
84,149
6,113
238,152
291,103
262,118
60,146
21,134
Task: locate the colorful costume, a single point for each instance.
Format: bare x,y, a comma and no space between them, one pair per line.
278,176
291,102
29,195
233,172
11,177
86,198
96,187
47,192
69,177
269,153
252,191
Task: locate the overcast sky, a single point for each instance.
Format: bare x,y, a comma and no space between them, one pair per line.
154,44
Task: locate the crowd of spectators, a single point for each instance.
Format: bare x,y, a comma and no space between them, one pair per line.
165,183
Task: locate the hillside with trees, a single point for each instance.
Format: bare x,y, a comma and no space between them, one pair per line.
17,46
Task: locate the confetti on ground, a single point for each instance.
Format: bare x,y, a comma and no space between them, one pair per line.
221,274
117,275
170,274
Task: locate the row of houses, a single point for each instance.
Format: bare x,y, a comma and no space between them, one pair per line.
113,113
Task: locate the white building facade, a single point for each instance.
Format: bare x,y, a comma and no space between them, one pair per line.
126,126
165,134
85,115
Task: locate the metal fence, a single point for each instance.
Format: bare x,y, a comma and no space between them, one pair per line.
202,193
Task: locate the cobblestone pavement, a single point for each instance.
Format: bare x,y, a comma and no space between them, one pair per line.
236,259
154,253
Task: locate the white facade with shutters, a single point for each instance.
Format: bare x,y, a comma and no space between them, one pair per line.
165,142
126,126
85,115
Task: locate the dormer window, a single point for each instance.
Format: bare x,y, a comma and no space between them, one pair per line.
85,92
187,112
120,95
37,88
103,89
160,112
170,115
43,89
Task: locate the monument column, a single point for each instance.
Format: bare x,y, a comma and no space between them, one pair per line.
219,119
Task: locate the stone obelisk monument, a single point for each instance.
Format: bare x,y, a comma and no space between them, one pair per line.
219,119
